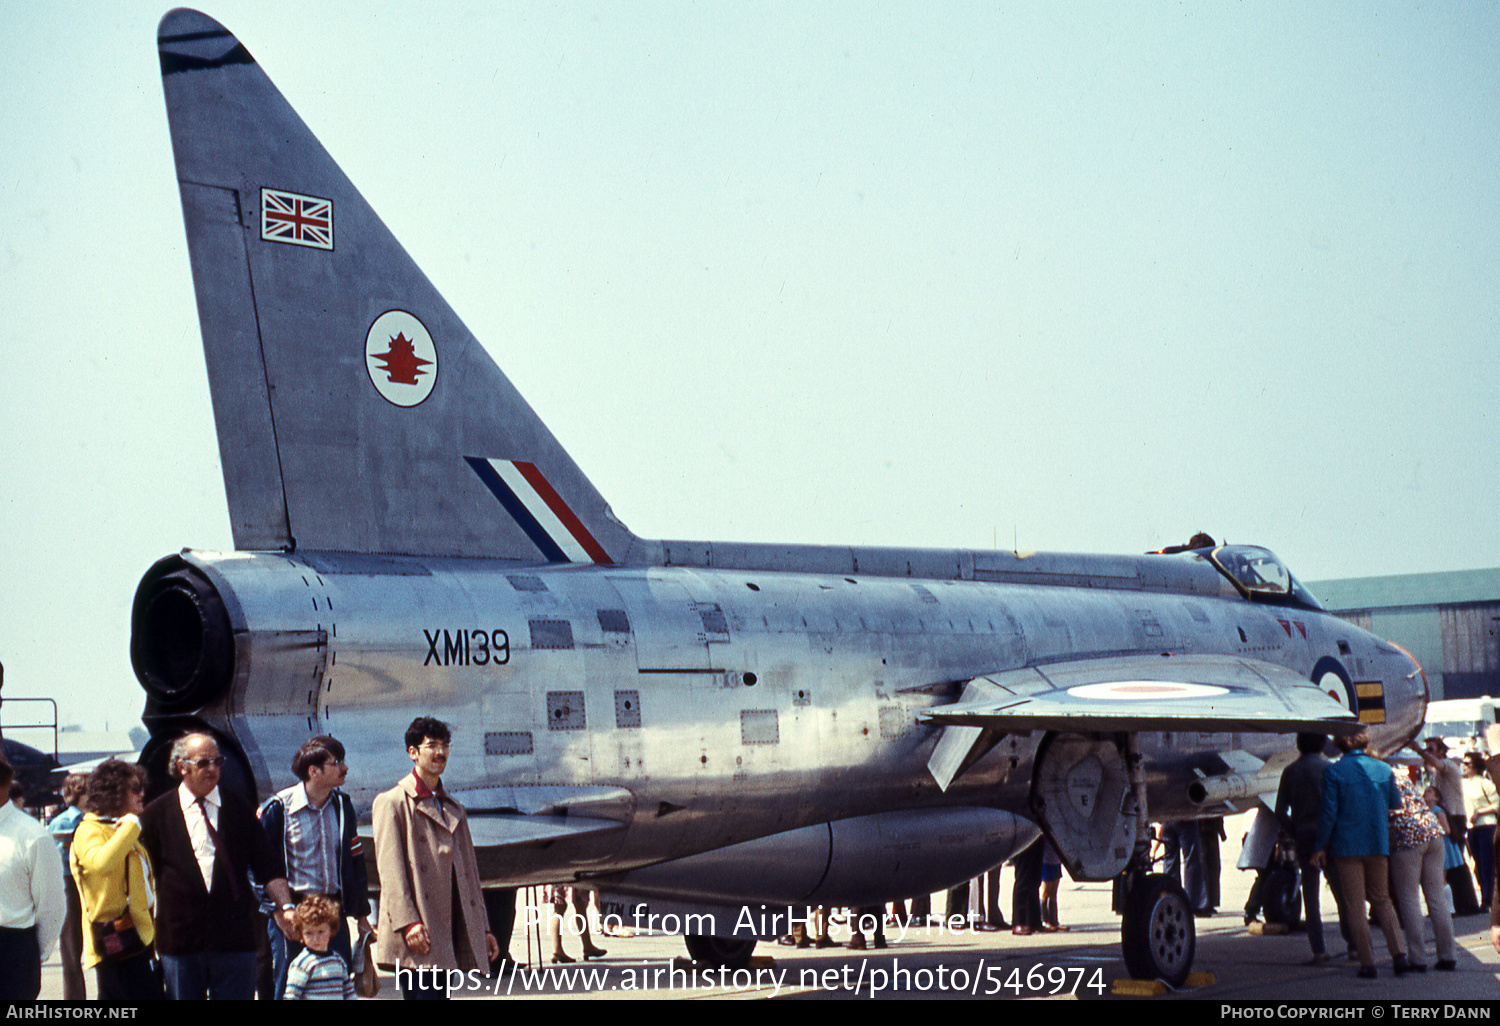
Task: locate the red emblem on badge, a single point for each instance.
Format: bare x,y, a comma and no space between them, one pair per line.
401,359
402,364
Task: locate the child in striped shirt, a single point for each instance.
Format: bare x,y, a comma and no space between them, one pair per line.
317,973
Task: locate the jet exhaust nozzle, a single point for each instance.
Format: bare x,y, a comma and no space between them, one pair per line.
181,641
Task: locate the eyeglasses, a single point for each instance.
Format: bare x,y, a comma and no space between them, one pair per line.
434,746
205,763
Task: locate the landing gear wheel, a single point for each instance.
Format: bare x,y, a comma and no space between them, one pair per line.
721,952
1157,932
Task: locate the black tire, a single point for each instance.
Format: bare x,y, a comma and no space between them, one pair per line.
720,952
1158,934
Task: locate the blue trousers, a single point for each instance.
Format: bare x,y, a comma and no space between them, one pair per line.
20,964
212,975
1180,841
1312,914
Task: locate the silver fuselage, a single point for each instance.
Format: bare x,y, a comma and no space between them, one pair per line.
702,706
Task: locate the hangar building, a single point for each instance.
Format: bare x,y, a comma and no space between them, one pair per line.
1449,621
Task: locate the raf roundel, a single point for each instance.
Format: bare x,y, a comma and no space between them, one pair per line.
1145,690
401,359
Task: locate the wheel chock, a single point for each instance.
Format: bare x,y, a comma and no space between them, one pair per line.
1126,987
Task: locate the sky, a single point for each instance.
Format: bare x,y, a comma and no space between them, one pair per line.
1080,277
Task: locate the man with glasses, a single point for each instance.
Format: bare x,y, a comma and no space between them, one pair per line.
202,842
317,831
432,915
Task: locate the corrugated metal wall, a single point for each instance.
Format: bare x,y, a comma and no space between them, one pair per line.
1360,619
1471,649
1458,646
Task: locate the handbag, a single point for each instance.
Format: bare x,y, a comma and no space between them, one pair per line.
117,939
366,982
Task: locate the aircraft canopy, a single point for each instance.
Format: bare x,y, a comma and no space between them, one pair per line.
1259,574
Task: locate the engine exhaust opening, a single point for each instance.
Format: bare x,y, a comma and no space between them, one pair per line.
182,644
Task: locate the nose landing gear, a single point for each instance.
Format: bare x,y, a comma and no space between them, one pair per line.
1157,931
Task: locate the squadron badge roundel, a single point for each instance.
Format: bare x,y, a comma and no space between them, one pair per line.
1145,690
401,359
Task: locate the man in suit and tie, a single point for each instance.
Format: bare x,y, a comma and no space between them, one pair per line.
201,842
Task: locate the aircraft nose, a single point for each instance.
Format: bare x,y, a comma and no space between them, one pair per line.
1405,686
1415,676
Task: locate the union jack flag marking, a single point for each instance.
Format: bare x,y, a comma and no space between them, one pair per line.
299,220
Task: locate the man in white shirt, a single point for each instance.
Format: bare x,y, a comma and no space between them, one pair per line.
32,901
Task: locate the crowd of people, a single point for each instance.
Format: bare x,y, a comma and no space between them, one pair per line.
1388,841
974,903
189,895
199,894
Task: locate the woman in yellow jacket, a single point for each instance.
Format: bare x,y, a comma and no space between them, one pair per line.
115,885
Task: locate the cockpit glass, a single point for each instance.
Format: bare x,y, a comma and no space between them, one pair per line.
1253,568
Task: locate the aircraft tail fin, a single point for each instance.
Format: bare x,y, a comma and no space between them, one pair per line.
355,411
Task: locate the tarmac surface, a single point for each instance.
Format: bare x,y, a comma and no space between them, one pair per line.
932,962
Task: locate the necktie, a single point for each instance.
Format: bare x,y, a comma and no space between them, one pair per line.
220,856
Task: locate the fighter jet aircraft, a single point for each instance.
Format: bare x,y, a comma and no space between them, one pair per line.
698,729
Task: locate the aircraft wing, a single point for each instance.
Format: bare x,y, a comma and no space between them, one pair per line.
503,816
506,830
501,830
1213,693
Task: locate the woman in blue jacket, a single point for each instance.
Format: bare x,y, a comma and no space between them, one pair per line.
1359,794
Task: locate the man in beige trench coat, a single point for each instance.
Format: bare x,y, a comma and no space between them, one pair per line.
431,905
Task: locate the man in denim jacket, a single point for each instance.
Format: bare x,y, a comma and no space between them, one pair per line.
320,848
